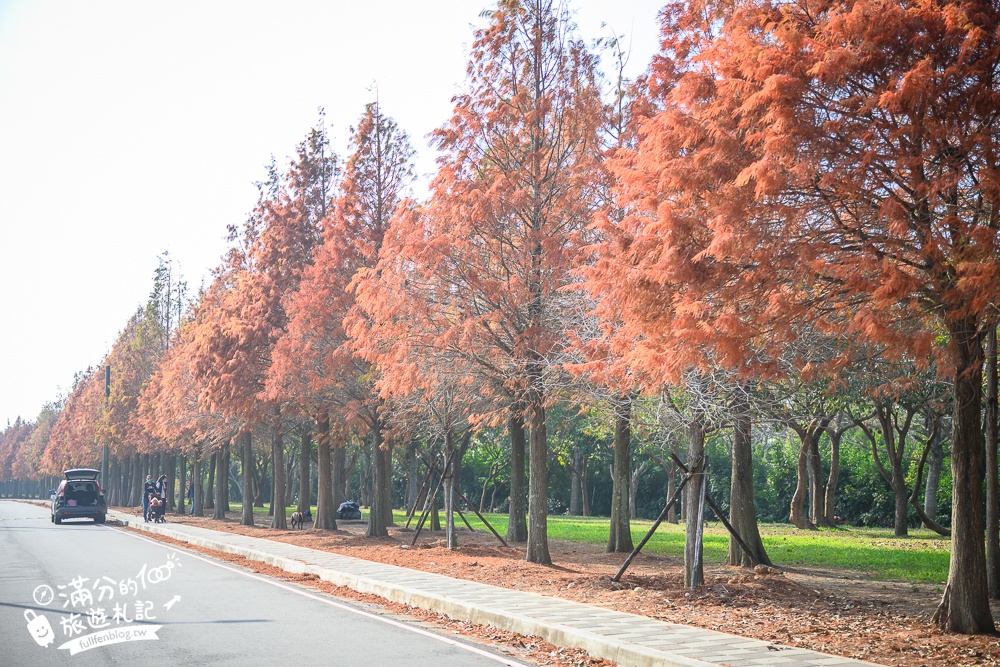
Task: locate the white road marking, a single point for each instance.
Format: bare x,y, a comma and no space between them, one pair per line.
472,649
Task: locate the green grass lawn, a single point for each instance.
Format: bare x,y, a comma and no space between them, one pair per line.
921,557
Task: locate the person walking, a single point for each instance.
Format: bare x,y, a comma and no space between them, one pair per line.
160,493
148,488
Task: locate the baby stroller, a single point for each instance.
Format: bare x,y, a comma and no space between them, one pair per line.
349,511
156,509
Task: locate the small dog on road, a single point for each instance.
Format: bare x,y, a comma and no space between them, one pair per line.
297,519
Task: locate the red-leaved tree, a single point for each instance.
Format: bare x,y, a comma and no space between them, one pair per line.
824,163
317,364
494,244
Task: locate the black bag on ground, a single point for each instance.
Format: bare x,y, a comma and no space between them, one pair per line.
349,511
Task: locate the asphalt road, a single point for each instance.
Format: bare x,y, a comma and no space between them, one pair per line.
101,589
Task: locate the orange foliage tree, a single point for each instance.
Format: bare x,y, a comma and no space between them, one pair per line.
432,389
170,406
243,315
133,359
15,445
494,244
833,163
73,441
316,363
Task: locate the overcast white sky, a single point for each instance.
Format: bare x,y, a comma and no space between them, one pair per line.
130,128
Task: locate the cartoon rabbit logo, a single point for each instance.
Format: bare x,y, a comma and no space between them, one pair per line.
39,628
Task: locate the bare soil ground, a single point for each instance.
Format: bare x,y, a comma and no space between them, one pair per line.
841,612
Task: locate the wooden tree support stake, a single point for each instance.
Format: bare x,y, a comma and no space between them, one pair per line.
423,488
656,524
723,519
429,503
433,497
467,524
481,518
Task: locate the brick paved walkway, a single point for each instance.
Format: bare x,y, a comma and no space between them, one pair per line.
627,639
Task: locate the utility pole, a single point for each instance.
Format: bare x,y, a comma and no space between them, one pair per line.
104,450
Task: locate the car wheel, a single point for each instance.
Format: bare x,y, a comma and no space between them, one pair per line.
100,519
57,520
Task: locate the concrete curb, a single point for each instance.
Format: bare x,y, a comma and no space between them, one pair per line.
599,646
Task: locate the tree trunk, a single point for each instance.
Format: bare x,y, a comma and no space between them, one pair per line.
413,477
247,465
289,466
171,465
279,520
326,509
340,476
124,468
119,476
620,533
147,470
385,486
365,477
435,516
380,509
965,606
270,466
220,486
830,504
486,484
935,462
797,513
694,573
538,509
225,470
111,483
260,480
901,520
517,524
125,471
894,447
816,514
197,503
137,481
210,495
992,486
181,484
128,468
305,459
574,482
633,489
682,501
448,490
126,487
671,488
453,484
742,509
584,490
